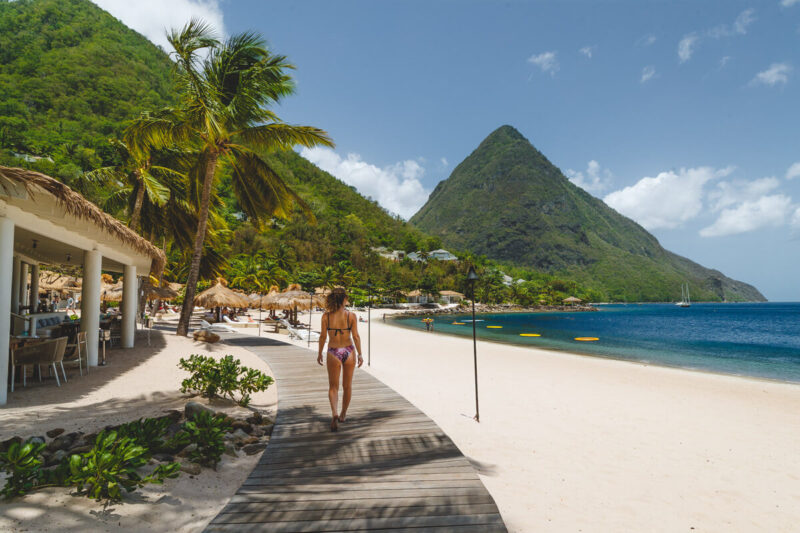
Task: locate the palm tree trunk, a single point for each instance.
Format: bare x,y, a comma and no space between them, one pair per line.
137,206
197,253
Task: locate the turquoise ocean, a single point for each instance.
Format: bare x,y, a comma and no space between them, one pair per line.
759,340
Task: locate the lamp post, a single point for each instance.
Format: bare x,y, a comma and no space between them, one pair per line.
369,323
310,312
260,306
472,276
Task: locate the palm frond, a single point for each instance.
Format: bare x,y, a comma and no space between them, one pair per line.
279,136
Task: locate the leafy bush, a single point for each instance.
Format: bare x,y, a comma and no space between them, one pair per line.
146,432
207,431
221,378
111,465
22,465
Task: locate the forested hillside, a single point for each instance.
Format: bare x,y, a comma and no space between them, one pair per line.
71,76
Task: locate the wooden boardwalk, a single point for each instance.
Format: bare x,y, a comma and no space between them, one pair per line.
388,468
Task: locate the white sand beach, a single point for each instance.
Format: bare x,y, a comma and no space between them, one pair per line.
574,443
138,382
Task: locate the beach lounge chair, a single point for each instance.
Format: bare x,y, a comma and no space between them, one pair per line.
216,327
302,334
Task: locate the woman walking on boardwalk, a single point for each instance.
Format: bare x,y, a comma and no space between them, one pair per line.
342,326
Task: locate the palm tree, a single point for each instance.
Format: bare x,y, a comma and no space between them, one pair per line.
284,256
326,277
223,114
136,181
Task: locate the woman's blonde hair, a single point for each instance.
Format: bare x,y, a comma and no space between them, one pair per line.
335,300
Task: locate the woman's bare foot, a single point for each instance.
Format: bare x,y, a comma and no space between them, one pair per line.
334,425
341,417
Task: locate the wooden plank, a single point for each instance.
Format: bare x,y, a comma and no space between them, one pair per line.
388,468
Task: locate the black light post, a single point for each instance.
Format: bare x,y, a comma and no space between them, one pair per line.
310,312
260,305
369,323
472,276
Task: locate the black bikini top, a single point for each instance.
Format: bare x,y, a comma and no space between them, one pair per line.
340,331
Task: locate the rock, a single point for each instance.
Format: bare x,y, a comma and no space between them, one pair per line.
230,449
90,438
258,432
6,443
193,408
191,468
240,435
56,458
250,440
228,436
81,448
64,442
53,433
255,419
268,429
244,426
252,449
174,415
186,451
37,440
164,457
203,335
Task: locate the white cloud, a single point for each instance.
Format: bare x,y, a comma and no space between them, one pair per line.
396,187
795,222
728,193
648,73
793,171
775,74
646,40
686,47
596,178
667,200
744,20
724,61
153,18
546,61
443,161
789,3
748,216
588,51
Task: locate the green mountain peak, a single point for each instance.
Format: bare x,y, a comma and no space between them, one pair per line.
506,200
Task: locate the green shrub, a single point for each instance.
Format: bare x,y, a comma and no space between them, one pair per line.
23,467
111,465
221,378
146,432
207,431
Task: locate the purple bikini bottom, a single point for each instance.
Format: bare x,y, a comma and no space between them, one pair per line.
341,353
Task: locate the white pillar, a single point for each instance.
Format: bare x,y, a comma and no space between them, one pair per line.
129,298
90,302
14,296
23,284
6,262
33,299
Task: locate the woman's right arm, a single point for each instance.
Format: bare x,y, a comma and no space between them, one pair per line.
323,335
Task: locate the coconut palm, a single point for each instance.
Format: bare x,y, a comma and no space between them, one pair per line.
326,277
137,180
223,114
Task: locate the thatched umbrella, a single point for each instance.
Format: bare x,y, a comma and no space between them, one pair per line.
159,293
53,281
572,300
220,296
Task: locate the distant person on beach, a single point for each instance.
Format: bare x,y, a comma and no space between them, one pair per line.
342,326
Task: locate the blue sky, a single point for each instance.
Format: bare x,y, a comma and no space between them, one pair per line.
682,115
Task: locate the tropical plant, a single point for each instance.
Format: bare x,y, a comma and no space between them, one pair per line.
113,465
207,432
221,378
22,467
136,179
146,432
223,113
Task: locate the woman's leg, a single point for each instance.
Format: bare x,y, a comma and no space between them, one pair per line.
349,367
334,368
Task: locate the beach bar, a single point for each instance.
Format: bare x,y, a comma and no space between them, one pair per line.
42,221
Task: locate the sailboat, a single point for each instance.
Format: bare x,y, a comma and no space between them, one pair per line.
686,301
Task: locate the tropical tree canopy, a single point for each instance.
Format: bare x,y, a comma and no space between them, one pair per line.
224,115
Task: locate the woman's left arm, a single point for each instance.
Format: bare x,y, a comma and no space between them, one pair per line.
357,340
